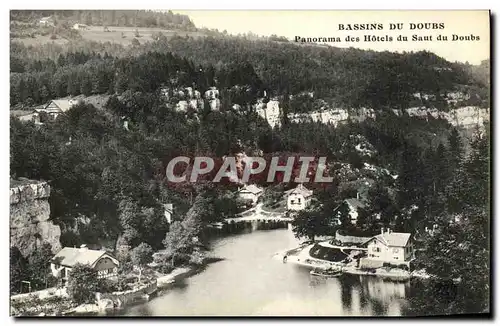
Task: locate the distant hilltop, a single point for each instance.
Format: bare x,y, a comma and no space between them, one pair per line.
130,18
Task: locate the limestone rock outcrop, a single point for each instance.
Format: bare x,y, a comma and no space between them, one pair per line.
29,216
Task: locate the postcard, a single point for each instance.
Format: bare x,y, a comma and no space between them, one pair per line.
249,163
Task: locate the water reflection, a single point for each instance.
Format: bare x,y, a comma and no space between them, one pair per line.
248,282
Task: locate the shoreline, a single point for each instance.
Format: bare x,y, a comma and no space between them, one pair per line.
301,257
168,281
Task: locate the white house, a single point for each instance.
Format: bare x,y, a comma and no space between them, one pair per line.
53,109
250,192
63,262
390,247
299,198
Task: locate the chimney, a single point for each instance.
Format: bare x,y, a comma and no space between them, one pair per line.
388,231
357,195
382,231
83,247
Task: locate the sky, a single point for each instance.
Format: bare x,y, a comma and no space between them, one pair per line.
324,23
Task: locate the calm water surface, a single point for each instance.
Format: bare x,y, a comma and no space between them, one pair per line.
250,282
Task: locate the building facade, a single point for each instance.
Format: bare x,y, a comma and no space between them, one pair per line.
390,247
101,261
250,192
299,198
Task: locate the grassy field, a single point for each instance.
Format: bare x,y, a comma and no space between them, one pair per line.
116,34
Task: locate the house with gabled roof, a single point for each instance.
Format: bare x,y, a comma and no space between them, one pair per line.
390,247
298,198
100,260
53,109
250,192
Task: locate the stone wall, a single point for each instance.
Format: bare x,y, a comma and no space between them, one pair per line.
29,217
121,299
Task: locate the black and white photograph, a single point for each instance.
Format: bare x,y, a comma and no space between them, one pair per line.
249,163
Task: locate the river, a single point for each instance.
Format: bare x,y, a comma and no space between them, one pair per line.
250,282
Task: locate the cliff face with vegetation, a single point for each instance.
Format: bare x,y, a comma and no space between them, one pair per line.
29,217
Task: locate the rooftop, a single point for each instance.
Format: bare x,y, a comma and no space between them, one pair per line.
355,203
252,189
63,105
71,256
300,190
393,239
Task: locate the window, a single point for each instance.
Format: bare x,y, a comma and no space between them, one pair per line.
298,201
111,270
376,249
395,258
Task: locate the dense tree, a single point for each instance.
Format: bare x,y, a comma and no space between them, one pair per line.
456,254
39,266
381,204
178,242
18,270
455,149
83,284
141,256
312,222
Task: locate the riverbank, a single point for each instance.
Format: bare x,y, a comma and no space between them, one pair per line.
250,282
301,256
179,274
59,304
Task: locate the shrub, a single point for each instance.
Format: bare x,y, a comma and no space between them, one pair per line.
197,258
53,37
165,268
135,42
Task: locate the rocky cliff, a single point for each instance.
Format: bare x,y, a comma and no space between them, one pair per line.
29,216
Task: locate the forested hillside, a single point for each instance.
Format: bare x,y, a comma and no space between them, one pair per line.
131,18
341,77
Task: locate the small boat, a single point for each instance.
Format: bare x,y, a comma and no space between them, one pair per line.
330,272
